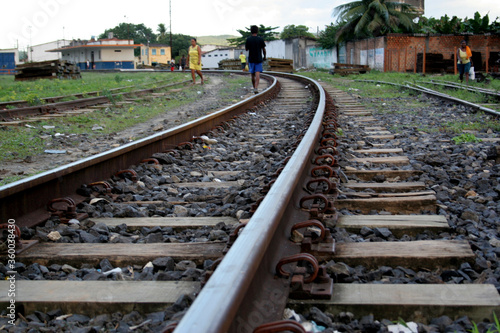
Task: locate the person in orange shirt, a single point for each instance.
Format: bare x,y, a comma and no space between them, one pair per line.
464,55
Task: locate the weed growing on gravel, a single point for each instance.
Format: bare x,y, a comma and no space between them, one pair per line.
465,138
495,329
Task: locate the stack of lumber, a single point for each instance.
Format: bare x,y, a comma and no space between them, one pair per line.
346,69
230,64
52,69
279,65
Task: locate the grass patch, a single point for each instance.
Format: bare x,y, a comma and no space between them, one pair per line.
23,141
19,142
35,90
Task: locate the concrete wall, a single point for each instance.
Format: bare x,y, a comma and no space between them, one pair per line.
305,53
275,49
318,57
210,60
364,52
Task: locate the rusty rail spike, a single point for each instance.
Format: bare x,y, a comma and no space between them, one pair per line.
267,187
327,171
105,184
183,145
311,223
328,134
69,213
233,236
134,176
320,185
327,159
331,188
315,205
254,207
332,141
327,149
151,160
210,271
295,258
280,326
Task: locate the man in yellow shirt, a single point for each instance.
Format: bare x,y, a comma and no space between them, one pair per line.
243,59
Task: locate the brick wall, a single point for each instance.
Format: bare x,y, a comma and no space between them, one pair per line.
405,53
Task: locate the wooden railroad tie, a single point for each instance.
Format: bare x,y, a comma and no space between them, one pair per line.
92,298
413,302
119,254
176,223
399,225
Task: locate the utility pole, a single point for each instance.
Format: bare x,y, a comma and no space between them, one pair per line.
170,14
31,48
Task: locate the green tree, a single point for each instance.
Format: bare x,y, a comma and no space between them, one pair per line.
455,25
371,18
162,33
478,24
327,38
138,32
180,45
265,32
293,31
445,25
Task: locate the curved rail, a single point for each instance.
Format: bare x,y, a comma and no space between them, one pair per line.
25,200
249,266
438,94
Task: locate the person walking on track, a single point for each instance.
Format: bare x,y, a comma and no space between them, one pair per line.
256,48
194,60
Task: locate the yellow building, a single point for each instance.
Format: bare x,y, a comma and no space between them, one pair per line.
153,54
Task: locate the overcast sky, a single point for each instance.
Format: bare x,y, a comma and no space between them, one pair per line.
39,21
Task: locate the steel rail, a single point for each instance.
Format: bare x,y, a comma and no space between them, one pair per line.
60,106
469,88
229,302
26,200
438,94
24,103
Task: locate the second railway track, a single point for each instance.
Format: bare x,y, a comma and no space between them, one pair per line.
292,245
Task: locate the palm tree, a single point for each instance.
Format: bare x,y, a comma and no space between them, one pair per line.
162,31
371,18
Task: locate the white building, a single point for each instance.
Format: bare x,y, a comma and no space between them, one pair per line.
110,53
211,59
39,52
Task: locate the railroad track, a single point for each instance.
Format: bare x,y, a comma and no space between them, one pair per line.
264,271
491,109
82,103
